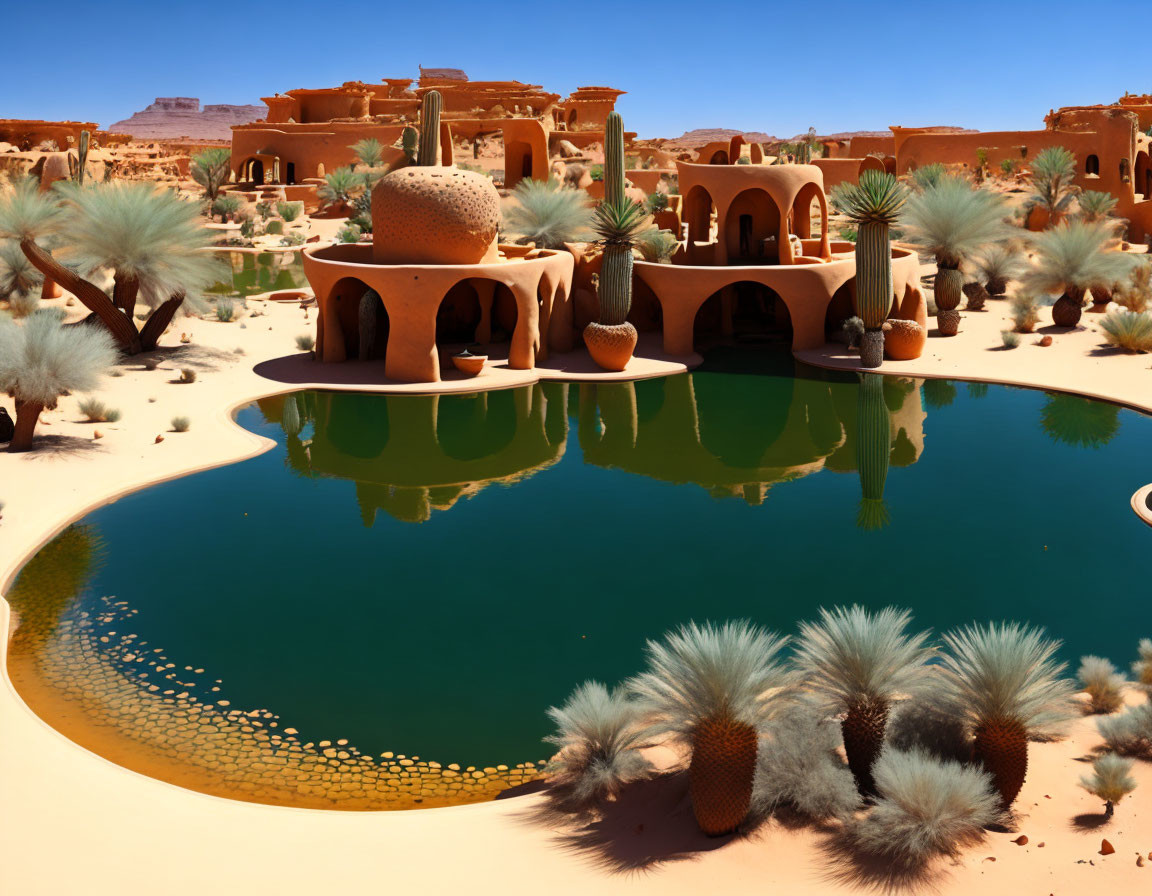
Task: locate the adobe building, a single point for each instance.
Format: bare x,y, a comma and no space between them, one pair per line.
308,133
28,134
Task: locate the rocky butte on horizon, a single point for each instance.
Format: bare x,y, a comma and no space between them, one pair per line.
173,117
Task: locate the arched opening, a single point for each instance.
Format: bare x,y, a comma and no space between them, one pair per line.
1125,171
1143,175
698,211
1092,166
459,315
752,229
720,157
255,171
571,119
363,319
809,214
517,162
744,311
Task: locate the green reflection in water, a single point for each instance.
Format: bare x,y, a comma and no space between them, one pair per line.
259,272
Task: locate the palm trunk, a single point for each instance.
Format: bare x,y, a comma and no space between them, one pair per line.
125,289
863,729
122,327
721,773
27,416
158,322
1001,746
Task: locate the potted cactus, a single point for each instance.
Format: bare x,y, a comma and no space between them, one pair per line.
617,221
873,206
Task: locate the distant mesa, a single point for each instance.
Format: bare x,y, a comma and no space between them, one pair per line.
172,117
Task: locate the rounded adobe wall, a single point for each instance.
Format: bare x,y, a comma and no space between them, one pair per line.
433,215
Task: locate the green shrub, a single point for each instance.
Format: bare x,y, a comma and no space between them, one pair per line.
1025,312
928,807
306,342
181,424
1053,171
369,152
596,172
657,245
340,186
187,375
1142,668
211,169
1104,685
1008,167
656,202
349,233
226,204
225,310
289,211
274,228
95,411
1010,338
296,238
928,175
1129,330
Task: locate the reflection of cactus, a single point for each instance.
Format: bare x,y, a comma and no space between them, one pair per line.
430,129
290,417
410,143
872,447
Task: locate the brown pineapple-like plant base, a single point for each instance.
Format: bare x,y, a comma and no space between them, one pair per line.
1001,747
1066,311
721,773
863,729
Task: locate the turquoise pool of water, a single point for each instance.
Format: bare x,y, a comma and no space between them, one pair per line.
428,575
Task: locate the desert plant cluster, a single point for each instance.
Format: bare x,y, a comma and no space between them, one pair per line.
911,745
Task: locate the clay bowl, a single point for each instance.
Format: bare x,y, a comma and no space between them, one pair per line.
469,365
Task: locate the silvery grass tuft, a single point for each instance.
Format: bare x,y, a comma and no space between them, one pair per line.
598,733
1130,732
928,807
1105,686
999,263
1005,680
1111,780
26,213
40,360
1142,668
1070,259
799,767
17,275
547,214
858,662
712,688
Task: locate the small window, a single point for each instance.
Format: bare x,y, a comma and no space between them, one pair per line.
1125,171
1092,166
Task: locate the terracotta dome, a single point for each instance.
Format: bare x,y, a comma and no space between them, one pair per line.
434,215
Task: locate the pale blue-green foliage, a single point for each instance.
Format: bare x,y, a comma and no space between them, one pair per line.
598,734
1111,779
1130,732
17,273
25,212
40,360
854,654
953,221
1142,668
1075,255
798,766
927,807
708,671
1000,261
340,186
547,214
136,229
1104,685
1007,672
1129,330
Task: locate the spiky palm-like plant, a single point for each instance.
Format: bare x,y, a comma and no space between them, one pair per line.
1071,258
17,275
1103,684
927,176
1095,205
369,152
1111,780
954,222
712,688
547,214
40,360
1006,681
617,227
340,187
150,239
859,663
226,205
211,169
598,734
1079,422
999,263
873,448
927,807
1128,330
657,246
873,205
1052,173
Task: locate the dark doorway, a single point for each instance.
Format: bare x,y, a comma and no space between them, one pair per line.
290,173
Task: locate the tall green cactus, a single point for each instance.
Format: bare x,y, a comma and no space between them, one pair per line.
873,429
430,129
410,143
614,159
82,157
872,205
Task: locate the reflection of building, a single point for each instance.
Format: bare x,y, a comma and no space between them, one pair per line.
739,441
411,455
758,258
308,133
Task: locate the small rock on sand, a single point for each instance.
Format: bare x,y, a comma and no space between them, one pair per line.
1106,848
1022,840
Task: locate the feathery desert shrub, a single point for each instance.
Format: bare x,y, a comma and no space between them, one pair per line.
547,214
1005,680
1010,338
17,274
226,205
225,310
1104,685
1111,780
928,807
999,263
95,411
1071,258
1095,205
1051,178
290,211
40,360
799,766
181,424
927,176
1135,293
187,375
349,233
22,304
929,725
1025,312
858,663
1131,330
657,245
598,734
305,342
1130,732
711,688
1142,668
369,152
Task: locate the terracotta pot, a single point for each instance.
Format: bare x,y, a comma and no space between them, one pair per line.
904,339
611,346
469,364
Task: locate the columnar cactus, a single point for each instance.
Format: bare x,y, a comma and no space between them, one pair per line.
873,205
410,143
82,157
614,159
430,129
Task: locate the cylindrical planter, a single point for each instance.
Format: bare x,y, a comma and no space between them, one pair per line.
948,322
872,348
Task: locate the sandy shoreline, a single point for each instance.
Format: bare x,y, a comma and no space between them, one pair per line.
124,832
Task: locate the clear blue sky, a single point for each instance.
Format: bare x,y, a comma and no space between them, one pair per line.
766,66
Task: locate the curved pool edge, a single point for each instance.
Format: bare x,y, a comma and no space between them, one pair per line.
1142,503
